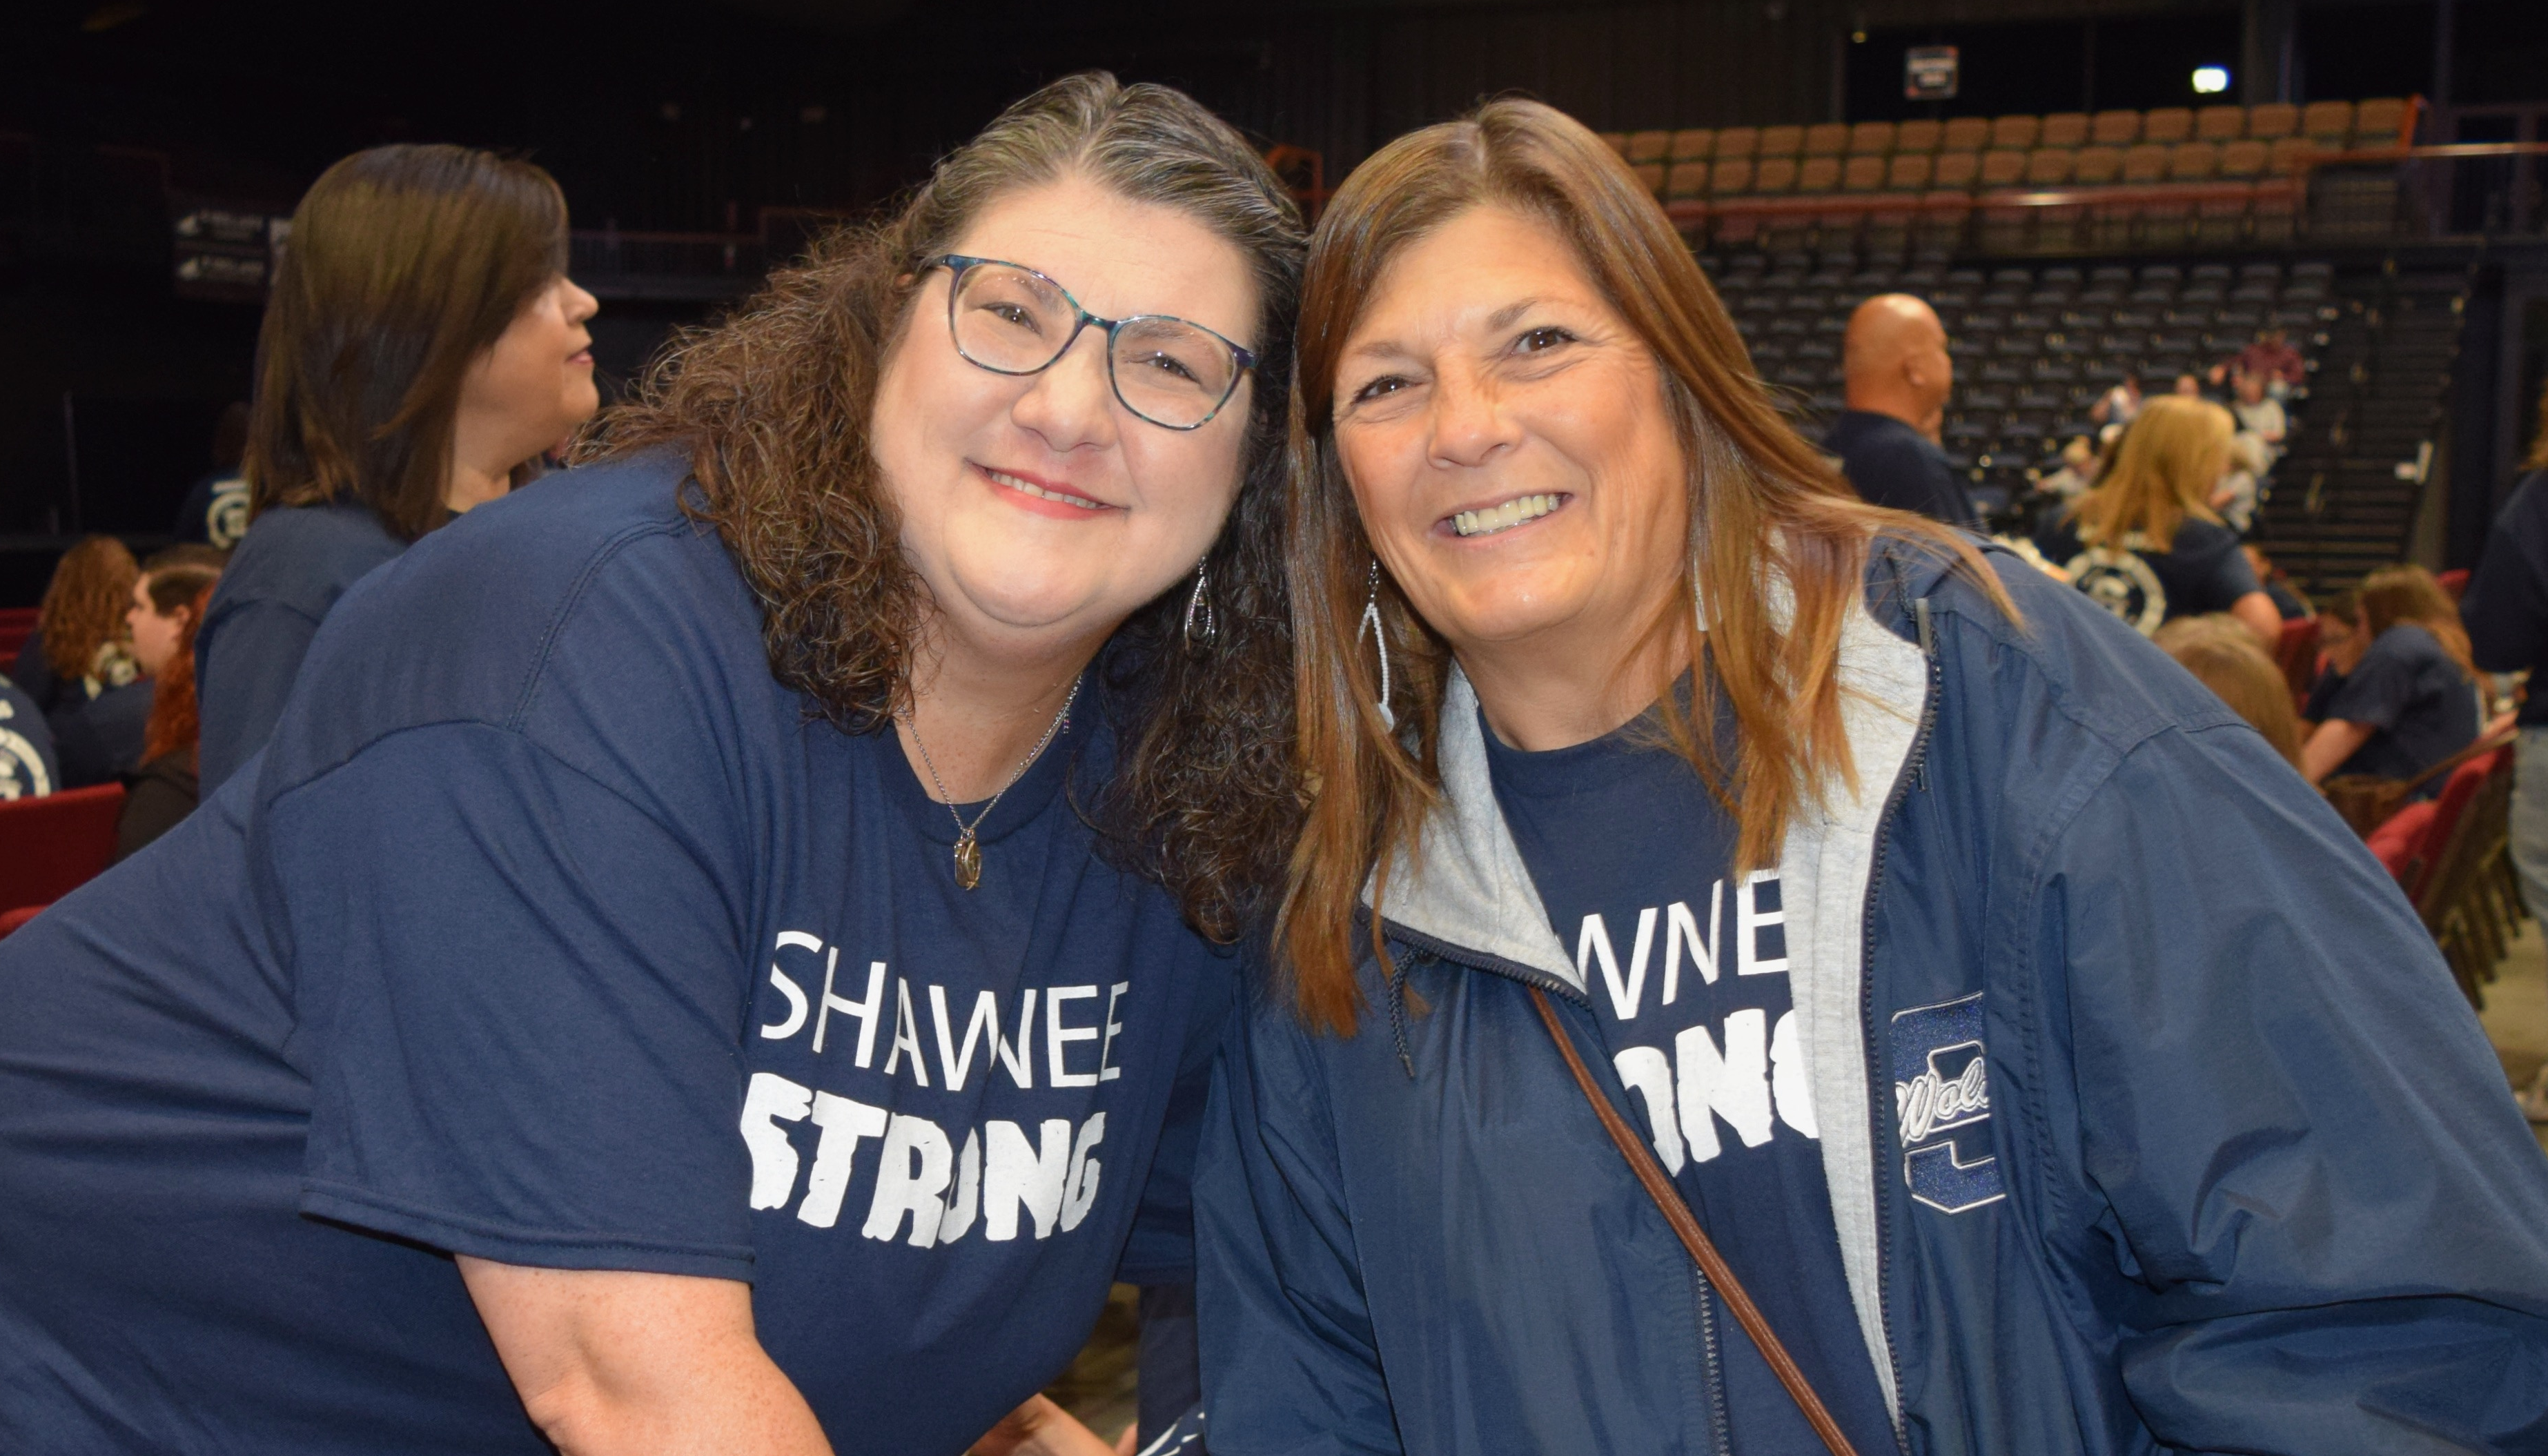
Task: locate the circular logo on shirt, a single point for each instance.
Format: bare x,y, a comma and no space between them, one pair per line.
21,769
2121,583
227,520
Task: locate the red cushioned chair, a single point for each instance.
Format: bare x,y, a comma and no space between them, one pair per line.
16,624
2455,583
54,845
2296,653
2400,842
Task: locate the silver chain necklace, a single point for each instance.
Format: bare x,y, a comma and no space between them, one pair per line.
969,849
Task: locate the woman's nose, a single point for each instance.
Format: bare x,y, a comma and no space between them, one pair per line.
1071,402
1470,425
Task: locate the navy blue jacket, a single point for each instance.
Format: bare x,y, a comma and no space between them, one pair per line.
2237,1172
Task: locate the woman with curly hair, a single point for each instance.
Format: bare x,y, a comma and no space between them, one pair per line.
719,954
77,666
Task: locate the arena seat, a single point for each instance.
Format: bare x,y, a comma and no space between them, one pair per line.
1686,180
2015,133
1922,135
1693,144
1965,133
1827,139
2220,123
2002,167
2064,128
1775,174
1652,174
2050,166
1955,170
2382,123
53,845
1734,143
2167,124
1870,138
1783,141
1648,147
1909,171
2114,127
2330,122
1865,172
2272,120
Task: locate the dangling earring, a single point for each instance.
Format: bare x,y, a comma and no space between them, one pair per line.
1202,628
1370,623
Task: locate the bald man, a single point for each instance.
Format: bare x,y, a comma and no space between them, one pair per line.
1899,375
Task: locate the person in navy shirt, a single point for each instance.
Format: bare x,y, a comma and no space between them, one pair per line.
1685,961
720,952
2409,698
215,511
1900,375
2143,544
448,266
28,768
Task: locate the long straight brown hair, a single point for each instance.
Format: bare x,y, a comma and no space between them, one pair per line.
1769,519
403,265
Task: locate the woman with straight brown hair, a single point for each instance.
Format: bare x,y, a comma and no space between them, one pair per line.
1712,884
2145,544
422,347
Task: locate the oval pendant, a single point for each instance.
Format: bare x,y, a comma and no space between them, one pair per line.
968,862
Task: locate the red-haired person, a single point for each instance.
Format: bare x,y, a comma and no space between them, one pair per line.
168,601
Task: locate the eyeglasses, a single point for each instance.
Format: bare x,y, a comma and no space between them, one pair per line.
1012,320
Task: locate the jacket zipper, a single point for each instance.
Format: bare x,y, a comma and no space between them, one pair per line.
1721,1427
1914,769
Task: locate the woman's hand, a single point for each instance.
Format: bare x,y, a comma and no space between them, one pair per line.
1042,1428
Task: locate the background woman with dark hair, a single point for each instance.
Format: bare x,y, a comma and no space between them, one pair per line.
719,949
168,601
421,344
78,666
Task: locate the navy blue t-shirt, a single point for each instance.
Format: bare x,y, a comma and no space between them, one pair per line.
1686,965
2422,707
215,511
103,738
278,587
550,928
28,766
2200,571
1890,463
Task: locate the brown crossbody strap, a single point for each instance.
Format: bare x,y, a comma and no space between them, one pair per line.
1694,1239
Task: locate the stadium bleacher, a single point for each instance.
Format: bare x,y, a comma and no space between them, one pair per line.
2173,178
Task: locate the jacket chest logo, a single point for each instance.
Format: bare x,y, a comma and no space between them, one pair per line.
1942,1106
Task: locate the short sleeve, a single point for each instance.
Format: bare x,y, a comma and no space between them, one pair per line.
520,1002
246,660
2232,578
2377,692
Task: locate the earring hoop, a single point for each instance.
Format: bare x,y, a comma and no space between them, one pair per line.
1202,625
1370,623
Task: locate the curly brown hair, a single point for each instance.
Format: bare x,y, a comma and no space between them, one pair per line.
772,410
84,605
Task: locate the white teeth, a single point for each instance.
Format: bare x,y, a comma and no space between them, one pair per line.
1029,488
1503,517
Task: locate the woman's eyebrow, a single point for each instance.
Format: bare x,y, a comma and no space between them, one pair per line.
1507,316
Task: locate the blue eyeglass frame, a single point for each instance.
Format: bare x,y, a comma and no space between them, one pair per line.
956,265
